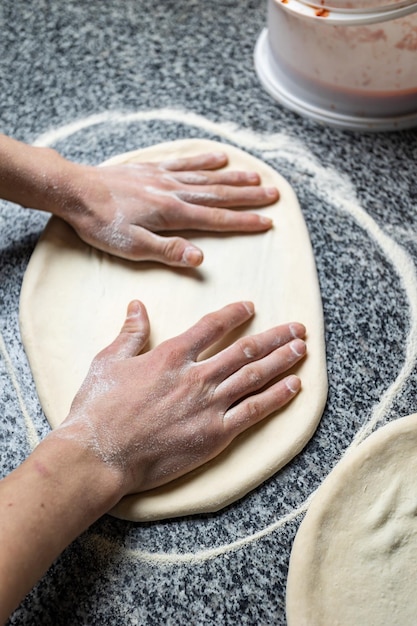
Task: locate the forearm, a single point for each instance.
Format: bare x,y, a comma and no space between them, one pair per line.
37,178
45,504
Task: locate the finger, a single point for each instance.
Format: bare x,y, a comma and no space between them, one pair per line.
251,348
193,217
227,196
255,408
219,177
133,335
213,327
256,375
174,251
206,161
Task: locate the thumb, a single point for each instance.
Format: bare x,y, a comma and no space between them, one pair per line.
174,251
133,335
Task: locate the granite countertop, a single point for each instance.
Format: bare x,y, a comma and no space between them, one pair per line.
97,79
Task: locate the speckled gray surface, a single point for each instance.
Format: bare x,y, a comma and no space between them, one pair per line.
152,72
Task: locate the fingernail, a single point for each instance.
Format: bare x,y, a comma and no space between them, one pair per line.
298,347
218,155
297,331
265,220
271,192
293,383
192,256
253,177
134,308
249,307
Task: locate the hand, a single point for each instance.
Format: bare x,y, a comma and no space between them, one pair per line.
154,417
124,209
127,210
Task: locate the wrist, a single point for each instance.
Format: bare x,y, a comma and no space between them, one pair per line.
54,185
40,178
70,465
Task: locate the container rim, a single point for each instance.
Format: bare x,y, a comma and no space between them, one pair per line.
343,6
346,17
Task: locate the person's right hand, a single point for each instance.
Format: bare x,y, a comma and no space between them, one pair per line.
154,417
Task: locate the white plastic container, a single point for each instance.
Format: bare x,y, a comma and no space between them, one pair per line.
348,63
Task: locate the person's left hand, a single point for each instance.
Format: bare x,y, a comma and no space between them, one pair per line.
123,209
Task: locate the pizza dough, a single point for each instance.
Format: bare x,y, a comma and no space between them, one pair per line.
74,299
354,558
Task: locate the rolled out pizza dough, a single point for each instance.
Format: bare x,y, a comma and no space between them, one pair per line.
354,558
73,303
